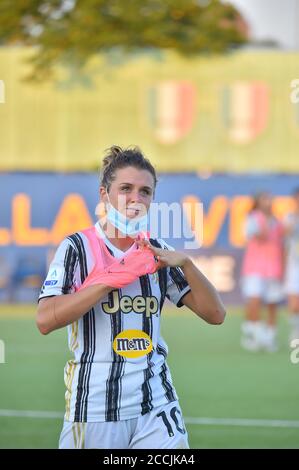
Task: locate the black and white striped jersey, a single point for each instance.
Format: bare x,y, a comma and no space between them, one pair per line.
119,368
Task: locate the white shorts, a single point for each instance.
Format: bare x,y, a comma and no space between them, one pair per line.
269,290
292,280
161,428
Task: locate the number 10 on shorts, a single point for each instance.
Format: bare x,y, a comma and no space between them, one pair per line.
173,419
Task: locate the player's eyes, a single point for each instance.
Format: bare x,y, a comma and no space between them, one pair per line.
146,192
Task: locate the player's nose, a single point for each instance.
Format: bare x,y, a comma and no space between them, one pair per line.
136,197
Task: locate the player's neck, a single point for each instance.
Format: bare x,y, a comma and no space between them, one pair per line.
118,239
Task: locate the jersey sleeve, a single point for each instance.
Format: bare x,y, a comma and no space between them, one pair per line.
177,285
63,270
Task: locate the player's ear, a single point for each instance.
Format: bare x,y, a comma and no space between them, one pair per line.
103,194
101,209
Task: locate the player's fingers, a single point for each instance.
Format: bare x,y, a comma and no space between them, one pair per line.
142,243
155,250
160,264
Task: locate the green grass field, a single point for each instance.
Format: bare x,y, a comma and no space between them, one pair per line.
213,377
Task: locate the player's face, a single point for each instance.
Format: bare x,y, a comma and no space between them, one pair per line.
131,192
265,202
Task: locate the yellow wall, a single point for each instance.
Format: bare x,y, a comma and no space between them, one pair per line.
66,125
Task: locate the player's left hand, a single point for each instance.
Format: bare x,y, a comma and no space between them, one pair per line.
165,257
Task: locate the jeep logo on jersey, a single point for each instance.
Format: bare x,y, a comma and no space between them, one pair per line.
127,304
132,343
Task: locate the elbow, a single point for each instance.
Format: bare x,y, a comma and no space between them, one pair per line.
217,317
42,326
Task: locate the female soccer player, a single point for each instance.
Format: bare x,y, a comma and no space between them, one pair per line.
262,274
107,284
292,266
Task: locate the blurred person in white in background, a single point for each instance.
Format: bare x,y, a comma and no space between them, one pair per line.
292,266
262,275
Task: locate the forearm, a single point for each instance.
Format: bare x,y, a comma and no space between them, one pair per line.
56,312
206,299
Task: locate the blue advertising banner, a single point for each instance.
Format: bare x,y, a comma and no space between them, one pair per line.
39,209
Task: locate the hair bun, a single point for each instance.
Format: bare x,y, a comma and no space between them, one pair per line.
114,152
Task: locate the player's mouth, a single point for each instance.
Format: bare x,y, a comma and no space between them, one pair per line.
132,212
